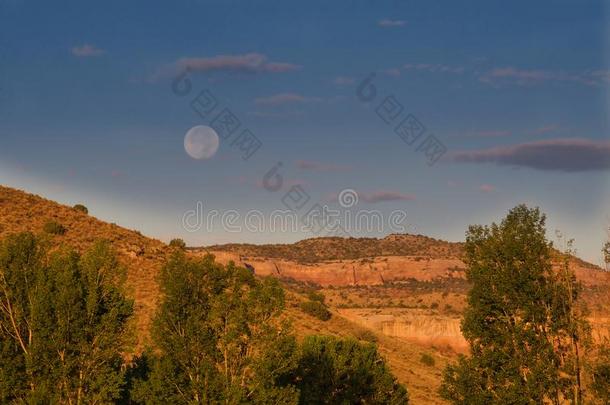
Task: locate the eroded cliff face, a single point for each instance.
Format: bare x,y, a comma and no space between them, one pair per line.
377,270
374,271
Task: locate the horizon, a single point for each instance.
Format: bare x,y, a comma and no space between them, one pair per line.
447,116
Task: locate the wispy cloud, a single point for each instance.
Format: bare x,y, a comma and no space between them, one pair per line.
545,129
375,197
321,167
276,114
524,77
382,196
285,98
487,188
344,81
241,63
565,155
87,50
434,68
258,183
485,134
387,23
391,72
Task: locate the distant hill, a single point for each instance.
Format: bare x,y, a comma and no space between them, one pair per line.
334,248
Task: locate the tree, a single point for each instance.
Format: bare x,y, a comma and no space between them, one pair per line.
316,309
63,323
81,208
606,252
178,243
521,321
54,228
344,371
601,374
218,338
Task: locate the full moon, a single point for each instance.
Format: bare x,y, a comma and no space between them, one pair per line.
201,142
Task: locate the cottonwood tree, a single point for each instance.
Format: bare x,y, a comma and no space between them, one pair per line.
218,338
345,371
63,323
606,253
522,323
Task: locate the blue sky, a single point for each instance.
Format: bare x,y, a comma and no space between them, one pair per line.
516,92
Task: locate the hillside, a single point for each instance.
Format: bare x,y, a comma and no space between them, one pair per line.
406,292
142,256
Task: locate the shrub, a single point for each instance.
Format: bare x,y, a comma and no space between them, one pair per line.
316,296
427,360
178,243
54,228
366,335
434,305
316,309
81,208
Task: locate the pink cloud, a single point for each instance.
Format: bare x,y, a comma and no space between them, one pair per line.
518,76
378,196
86,50
545,129
487,134
434,68
487,188
566,155
392,72
386,23
320,167
244,63
343,81
285,98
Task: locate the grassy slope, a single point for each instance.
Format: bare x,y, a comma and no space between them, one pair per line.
143,257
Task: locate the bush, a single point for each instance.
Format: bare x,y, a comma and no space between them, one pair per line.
434,305
427,360
316,296
54,228
316,309
81,208
366,335
177,243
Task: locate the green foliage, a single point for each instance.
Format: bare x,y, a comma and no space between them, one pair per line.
316,296
427,360
336,371
521,321
63,324
367,335
218,337
54,228
601,375
178,243
81,208
316,309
